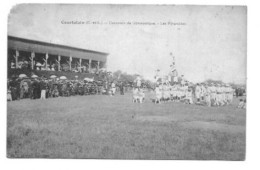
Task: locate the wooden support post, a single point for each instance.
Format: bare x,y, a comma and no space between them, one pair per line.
32,60
89,65
70,62
58,61
98,65
80,61
16,58
46,61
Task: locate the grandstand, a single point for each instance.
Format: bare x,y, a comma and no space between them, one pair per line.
25,55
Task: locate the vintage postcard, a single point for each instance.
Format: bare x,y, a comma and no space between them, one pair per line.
127,82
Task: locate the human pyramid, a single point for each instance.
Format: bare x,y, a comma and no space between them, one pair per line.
166,92
205,94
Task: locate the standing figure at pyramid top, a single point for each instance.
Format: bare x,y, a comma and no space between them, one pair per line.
174,72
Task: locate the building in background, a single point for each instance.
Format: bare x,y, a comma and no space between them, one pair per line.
38,55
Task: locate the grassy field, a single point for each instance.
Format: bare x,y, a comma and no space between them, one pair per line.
116,128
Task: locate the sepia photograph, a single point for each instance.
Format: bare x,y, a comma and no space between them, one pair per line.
132,82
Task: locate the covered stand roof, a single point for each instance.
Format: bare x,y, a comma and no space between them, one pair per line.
54,49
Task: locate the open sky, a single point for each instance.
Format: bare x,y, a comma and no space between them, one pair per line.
210,43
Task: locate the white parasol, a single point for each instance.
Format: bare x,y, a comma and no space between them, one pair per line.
34,76
22,76
89,79
63,78
38,64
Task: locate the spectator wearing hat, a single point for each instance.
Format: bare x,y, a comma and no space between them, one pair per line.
198,92
43,87
121,87
242,104
113,88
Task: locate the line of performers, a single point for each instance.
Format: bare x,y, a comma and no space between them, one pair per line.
204,94
214,94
